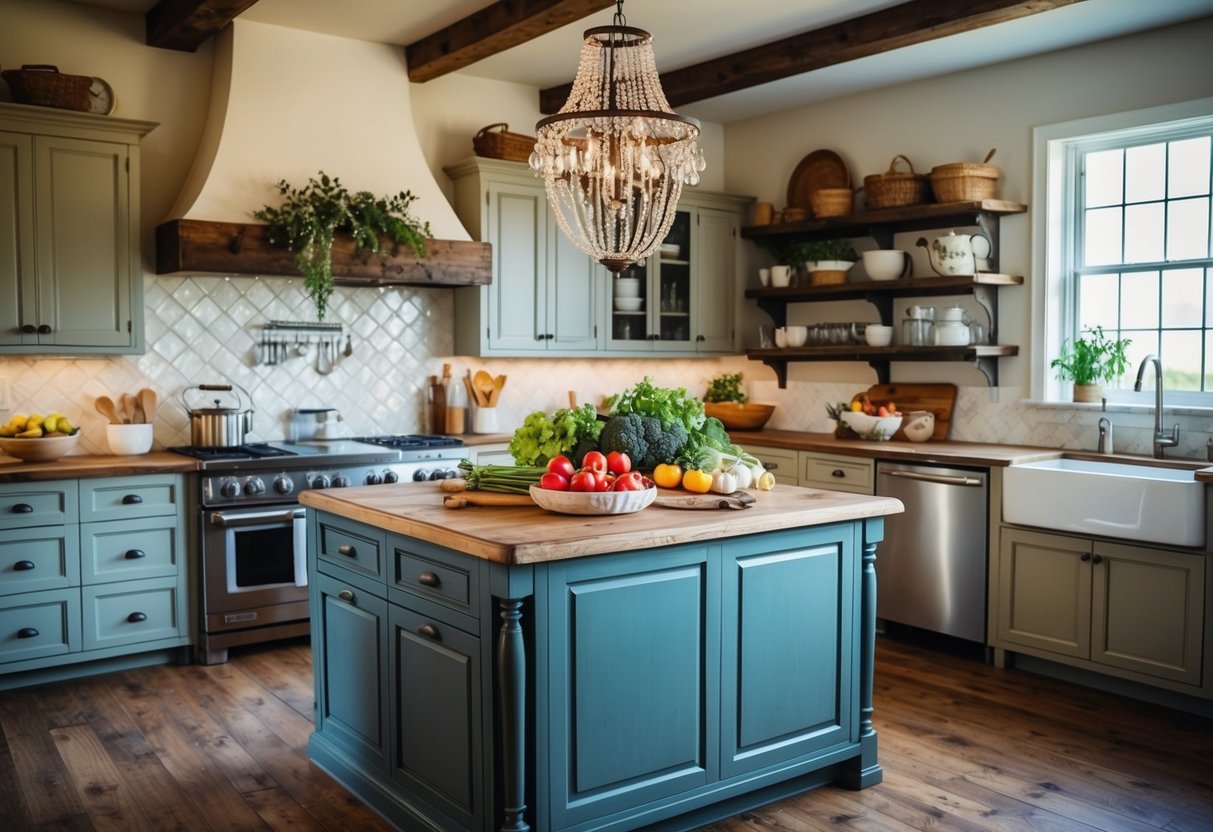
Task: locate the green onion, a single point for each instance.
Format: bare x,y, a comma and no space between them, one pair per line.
508,479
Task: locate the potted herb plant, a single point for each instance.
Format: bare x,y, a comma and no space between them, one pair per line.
727,401
1091,360
310,217
827,261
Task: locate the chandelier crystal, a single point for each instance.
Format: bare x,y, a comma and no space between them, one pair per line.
615,158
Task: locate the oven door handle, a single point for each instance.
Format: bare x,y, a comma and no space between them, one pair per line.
229,521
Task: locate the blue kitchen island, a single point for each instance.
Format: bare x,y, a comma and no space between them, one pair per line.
506,668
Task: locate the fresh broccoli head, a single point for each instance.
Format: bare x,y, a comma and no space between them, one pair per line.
643,438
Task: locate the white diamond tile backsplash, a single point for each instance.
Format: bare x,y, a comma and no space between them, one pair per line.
202,330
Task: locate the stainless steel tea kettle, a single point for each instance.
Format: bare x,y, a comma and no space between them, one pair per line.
219,426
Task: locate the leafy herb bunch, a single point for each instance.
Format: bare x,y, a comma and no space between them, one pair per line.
725,388
310,217
1092,358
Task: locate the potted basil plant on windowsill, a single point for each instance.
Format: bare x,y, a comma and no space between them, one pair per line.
1090,361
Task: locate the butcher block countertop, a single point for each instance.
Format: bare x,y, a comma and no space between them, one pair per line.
528,534
81,466
963,453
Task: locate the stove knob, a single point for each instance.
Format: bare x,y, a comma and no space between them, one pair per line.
421,476
390,477
341,481
320,481
254,486
437,474
446,473
372,479
283,484
230,489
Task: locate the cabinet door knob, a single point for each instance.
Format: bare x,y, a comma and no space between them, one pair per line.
1097,559
428,579
538,336
131,500
700,338
44,329
22,508
29,329
23,566
429,631
347,550
28,632
1085,556
136,617
346,595
135,554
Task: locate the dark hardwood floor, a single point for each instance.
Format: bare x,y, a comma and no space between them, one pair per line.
964,747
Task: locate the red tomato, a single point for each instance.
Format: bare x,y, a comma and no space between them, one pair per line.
603,481
595,461
561,465
631,481
583,481
554,482
618,462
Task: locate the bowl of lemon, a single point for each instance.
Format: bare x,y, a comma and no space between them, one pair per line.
38,438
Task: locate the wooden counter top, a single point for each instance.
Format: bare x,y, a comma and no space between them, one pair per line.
964,453
526,534
94,465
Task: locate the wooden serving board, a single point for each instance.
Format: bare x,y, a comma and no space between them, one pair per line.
939,398
666,499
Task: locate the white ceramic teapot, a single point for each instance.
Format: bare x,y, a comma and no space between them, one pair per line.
953,254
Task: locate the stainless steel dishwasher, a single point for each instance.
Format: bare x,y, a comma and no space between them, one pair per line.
931,567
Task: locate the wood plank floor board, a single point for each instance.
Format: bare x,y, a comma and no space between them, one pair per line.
99,785
965,748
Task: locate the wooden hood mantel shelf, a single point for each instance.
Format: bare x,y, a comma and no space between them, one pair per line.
241,248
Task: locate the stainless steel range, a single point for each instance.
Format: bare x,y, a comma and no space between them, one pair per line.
251,532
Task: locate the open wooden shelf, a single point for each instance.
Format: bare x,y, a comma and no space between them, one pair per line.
983,356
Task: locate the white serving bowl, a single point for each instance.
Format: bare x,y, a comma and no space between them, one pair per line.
870,427
628,304
129,440
592,502
886,264
919,425
39,448
670,251
878,335
797,336
627,287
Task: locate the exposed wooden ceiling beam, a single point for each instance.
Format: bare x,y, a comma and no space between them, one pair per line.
493,29
185,25
917,21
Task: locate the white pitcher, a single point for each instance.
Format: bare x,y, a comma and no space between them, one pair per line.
953,254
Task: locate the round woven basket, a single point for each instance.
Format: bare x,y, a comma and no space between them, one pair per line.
895,189
966,181
826,277
831,202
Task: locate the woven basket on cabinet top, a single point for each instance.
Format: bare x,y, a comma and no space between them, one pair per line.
966,181
45,86
895,189
503,144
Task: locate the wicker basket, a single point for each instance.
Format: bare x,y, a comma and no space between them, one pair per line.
831,202
894,189
45,86
827,277
966,181
503,144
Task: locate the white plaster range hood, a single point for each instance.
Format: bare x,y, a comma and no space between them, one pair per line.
286,104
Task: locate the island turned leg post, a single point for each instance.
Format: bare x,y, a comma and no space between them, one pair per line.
511,675
864,770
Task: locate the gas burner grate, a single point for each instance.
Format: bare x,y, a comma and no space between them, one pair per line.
254,451
413,441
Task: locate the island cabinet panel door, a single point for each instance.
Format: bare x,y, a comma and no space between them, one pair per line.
436,716
350,627
788,646
633,680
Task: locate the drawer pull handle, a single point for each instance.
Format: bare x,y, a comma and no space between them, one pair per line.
29,329
136,617
44,329
23,508
428,579
135,554
1084,557
838,472
347,550
429,631
28,632
346,595
131,500
23,566
770,466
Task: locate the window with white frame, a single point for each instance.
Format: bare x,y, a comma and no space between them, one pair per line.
1131,248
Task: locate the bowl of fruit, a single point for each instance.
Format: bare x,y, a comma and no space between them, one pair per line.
38,438
868,420
605,484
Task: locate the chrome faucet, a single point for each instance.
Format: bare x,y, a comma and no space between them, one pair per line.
1161,438
1105,436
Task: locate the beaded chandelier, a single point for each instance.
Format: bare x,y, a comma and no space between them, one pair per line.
615,158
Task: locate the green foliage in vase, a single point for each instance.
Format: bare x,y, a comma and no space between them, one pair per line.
725,388
1092,358
309,218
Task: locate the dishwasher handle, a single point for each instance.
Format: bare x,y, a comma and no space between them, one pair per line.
941,479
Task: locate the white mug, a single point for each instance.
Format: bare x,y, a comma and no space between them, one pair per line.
781,275
781,337
764,277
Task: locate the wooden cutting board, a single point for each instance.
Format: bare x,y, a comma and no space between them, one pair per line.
666,499
940,399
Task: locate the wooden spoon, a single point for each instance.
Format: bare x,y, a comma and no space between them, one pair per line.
105,406
483,382
128,408
498,383
147,401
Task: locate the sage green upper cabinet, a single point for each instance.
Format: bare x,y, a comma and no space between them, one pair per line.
544,294
70,270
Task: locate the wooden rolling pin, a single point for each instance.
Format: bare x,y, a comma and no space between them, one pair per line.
485,498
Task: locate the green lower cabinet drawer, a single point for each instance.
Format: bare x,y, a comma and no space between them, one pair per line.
46,504
39,624
128,550
353,547
124,498
131,612
43,557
